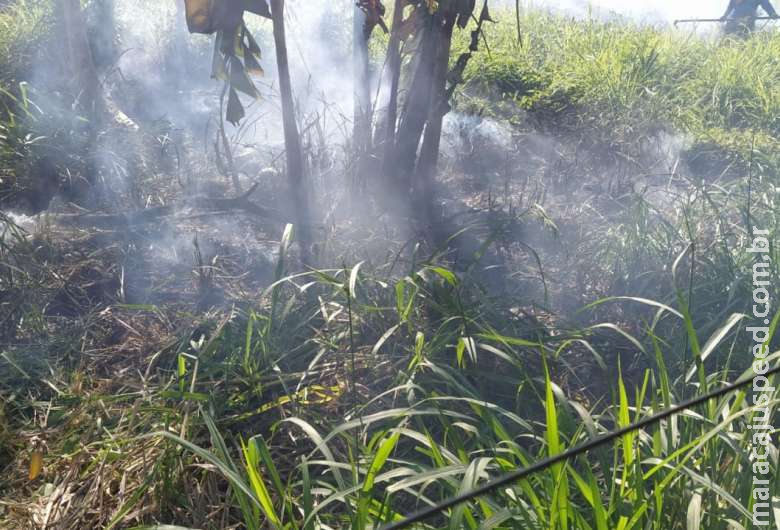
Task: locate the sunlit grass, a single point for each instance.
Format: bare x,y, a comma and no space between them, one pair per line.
618,84
24,25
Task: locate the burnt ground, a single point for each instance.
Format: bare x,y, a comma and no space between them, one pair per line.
115,293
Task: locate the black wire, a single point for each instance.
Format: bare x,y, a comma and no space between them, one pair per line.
598,441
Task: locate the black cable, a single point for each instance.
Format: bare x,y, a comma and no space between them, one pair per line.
598,441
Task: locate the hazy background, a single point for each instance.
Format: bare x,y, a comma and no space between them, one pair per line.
645,10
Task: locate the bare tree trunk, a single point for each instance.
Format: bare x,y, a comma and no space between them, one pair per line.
292,140
416,107
78,55
102,33
361,131
394,69
362,104
429,152
84,84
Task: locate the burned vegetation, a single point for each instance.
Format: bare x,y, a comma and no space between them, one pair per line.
311,264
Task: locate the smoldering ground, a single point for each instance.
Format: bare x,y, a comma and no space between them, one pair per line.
158,75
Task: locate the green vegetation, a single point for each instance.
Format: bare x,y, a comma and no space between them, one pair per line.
349,396
24,27
617,85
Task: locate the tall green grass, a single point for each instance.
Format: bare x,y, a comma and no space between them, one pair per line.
469,393
437,433
617,84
